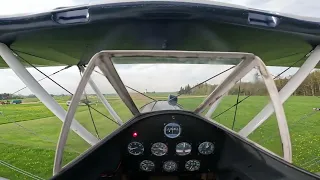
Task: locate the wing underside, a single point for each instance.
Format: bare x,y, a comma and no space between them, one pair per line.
54,38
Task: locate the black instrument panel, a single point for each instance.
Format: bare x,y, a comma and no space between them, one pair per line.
170,143
111,158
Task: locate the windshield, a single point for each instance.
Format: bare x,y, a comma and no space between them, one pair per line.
302,9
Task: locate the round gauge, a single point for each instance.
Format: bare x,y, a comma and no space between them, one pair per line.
135,148
192,165
170,166
147,165
159,149
183,149
206,148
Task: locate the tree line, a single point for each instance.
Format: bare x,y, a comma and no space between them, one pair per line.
309,87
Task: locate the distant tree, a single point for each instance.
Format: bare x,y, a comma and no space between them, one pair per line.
31,96
309,87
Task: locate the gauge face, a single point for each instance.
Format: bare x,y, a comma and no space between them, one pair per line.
170,166
172,130
192,165
147,165
159,149
206,148
135,148
183,149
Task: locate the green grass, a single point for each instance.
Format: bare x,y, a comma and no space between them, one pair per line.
35,153
25,112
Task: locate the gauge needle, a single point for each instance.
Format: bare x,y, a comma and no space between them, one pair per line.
132,148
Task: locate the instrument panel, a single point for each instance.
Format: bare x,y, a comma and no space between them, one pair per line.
177,145
171,143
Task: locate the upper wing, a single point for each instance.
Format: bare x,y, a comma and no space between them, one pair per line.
71,36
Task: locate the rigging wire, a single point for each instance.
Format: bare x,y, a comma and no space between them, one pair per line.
44,78
103,115
89,109
216,75
310,162
236,109
93,123
26,173
293,125
260,89
313,161
180,93
35,133
44,74
63,87
141,93
130,88
238,102
206,80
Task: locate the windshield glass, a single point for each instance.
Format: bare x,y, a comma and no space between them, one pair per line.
302,9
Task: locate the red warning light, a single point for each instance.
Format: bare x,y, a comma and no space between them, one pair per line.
134,134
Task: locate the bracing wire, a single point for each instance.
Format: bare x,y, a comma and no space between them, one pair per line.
236,109
130,88
89,109
216,75
35,133
10,166
93,123
103,115
64,88
222,72
140,93
45,74
293,125
44,78
260,89
306,163
311,162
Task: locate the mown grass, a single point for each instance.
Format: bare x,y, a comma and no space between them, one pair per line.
34,153
25,112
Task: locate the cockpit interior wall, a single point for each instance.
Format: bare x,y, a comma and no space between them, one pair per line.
155,26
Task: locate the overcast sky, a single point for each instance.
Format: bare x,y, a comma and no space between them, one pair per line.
159,78
141,77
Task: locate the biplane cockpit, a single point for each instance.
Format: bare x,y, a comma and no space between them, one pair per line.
176,144
163,140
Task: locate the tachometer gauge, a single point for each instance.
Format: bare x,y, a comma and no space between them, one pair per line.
192,165
183,149
135,148
159,149
147,165
170,166
206,148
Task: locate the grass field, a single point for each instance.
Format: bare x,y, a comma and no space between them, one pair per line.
20,146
